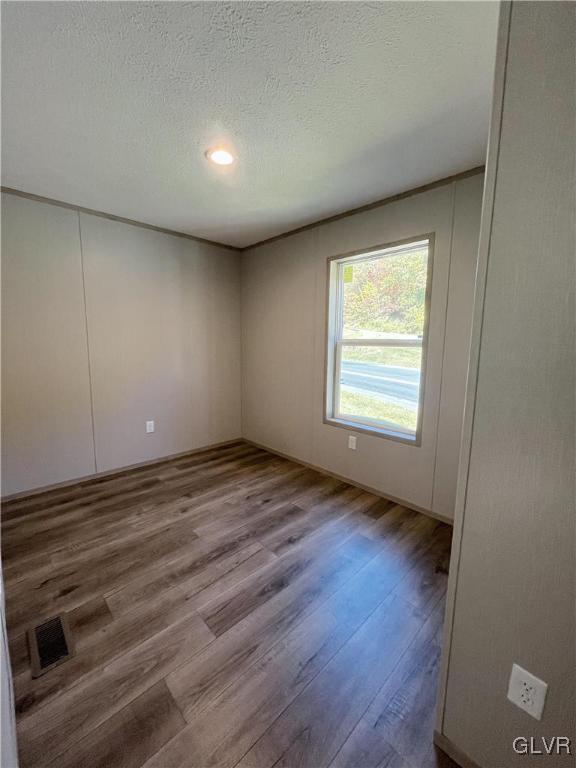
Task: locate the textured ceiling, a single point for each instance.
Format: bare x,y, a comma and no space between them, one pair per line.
329,105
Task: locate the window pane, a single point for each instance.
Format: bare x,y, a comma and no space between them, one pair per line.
385,297
380,384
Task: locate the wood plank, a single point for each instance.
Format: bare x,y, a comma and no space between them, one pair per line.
318,720
197,683
311,730
50,731
70,586
222,732
191,571
230,578
86,517
285,487
353,591
329,508
244,599
23,504
370,753
40,506
130,737
284,743
101,646
288,566
99,638
87,514
402,716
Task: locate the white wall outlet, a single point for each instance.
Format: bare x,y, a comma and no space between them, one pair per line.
527,691
149,427
352,442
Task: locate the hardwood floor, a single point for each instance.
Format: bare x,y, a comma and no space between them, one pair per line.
229,608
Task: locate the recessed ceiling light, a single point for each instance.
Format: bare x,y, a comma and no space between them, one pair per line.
220,156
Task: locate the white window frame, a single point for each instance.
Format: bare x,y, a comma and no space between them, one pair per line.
335,340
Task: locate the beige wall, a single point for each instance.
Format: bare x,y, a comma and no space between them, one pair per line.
144,325
161,342
515,579
46,421
163,319
284,339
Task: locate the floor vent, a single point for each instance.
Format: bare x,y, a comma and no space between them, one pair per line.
50,644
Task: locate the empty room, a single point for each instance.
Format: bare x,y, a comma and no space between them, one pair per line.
288,384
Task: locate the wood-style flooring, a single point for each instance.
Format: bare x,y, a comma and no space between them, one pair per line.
229,608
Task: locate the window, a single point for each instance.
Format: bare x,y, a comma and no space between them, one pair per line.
378,316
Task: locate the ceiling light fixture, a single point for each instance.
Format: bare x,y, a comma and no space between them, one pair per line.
220,156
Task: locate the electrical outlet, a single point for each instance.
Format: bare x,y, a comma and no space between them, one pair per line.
149,427
352,442
527,691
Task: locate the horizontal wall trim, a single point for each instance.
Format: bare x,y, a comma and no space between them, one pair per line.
348,480
459,757
370,206
121,219
336,217
117,472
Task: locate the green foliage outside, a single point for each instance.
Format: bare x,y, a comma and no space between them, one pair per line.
354,403
386,295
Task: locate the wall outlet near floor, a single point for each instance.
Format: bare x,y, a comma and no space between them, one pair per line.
352,442
149,427
527,691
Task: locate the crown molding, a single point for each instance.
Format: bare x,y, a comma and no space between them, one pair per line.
370,206
121,219
237,249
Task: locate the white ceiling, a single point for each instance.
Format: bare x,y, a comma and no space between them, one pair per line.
329,105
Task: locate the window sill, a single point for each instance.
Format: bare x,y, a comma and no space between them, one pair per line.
388,434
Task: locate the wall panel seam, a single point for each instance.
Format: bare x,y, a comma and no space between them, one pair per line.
87,343
316,355
241,272
443,358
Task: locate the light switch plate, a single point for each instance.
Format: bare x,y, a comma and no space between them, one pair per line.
352,442
149,427
527,691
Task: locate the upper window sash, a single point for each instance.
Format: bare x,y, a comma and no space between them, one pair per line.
383,253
